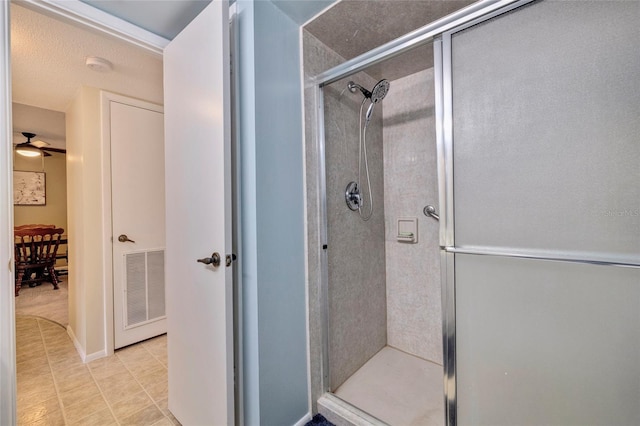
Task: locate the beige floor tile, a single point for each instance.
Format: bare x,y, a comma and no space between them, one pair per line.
31,349
51,419
121,391
139,361
164,422
47,405
93,394
58,343
53,336
24,338
158,391
132,404
62,353
131,352
84,408
105,367
100,418
32,367
163,405
78,394
28,393
115,381
153,378
151,368
173,419
64,363
26,323
156,346
72,378
146,416
29,414
41,382
164,359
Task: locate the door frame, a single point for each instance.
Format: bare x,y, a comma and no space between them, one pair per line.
106,98
88,17
8,387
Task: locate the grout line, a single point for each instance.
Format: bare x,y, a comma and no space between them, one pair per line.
153,400
53,376
102,394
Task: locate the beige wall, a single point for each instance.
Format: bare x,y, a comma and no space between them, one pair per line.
85,213
55,211
414,304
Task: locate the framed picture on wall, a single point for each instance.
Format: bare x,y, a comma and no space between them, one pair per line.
29,188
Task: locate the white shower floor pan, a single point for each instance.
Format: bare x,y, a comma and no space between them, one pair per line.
394,387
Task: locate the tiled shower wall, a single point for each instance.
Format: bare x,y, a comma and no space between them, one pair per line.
414,309
357,302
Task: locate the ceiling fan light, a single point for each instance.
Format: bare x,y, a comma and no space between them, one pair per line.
26,150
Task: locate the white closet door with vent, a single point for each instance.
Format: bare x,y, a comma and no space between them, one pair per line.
136,133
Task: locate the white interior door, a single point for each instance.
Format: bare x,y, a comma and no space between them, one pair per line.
136,133
198,191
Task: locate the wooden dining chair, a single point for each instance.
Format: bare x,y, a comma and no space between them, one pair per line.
35,255
32,226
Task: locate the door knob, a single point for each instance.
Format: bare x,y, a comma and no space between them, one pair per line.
213,260
123,239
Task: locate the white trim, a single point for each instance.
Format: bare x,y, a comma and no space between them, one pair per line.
85,358
304,420
107,232
76,342
89,17
8,387
307,278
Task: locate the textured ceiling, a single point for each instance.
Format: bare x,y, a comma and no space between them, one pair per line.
48,63
353,27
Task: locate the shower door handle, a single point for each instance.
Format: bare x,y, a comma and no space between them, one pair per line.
431,211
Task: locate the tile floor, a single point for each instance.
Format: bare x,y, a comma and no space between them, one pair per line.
56,388
397,388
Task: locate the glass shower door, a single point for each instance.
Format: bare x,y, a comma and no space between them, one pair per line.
543,217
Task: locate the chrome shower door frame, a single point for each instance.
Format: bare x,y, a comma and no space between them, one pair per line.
431,32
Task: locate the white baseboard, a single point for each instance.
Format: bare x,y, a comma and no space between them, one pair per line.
304,420
85,358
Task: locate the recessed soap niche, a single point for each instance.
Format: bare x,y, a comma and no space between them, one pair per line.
407,230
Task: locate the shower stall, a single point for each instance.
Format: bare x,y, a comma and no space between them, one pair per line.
495,277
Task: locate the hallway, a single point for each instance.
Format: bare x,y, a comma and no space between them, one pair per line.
56,388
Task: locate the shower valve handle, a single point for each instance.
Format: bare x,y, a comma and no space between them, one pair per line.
431,211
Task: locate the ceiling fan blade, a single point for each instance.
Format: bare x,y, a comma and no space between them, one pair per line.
58,150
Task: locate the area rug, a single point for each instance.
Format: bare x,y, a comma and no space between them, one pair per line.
43,301
319,420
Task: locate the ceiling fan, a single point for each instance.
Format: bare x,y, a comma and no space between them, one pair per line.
30,149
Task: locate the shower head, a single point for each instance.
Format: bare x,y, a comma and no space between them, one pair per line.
380,90
378,93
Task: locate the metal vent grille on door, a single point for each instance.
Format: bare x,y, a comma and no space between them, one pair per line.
144,287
